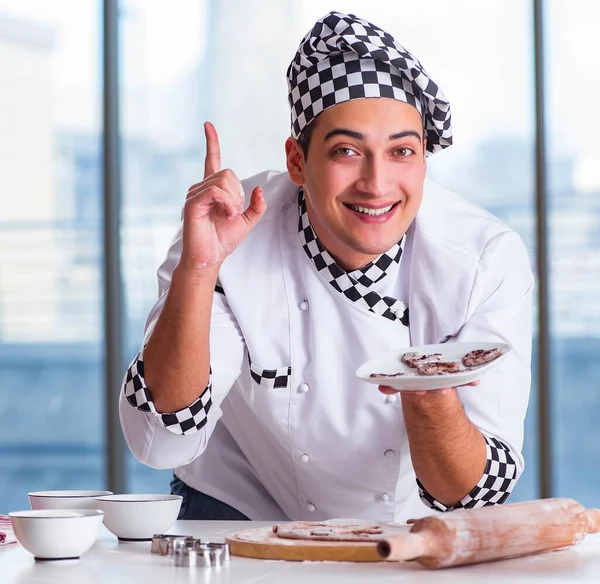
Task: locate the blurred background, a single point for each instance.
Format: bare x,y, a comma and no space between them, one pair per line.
530,156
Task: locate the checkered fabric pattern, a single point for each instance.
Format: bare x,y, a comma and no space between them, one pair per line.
185,421
345,57
271,378
353,285
494,487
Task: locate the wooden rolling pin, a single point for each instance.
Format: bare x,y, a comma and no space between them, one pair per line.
470,536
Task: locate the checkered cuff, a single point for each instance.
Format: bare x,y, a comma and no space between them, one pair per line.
494,487
185,421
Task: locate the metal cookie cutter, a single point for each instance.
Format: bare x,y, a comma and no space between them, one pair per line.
192,558
180,543
219,552
165,544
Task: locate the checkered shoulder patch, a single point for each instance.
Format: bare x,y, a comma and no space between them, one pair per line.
494,487
185,421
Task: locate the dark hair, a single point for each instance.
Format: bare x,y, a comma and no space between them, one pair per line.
305,136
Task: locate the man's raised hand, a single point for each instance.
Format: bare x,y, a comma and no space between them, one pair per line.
214,220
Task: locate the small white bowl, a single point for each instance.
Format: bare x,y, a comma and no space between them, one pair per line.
55,534
139,517
65,499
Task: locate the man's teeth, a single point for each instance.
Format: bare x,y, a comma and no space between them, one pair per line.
368,211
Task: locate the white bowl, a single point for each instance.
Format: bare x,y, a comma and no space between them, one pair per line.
139,517
65,499
54,534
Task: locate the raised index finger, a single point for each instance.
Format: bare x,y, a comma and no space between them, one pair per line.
212,162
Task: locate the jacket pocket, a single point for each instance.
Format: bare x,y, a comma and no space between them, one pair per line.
271,378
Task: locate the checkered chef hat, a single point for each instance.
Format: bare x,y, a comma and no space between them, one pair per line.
345,57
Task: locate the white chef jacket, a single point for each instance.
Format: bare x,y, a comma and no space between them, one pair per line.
287,430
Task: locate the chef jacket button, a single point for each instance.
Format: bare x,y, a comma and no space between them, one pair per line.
305,458
399,312
391,399
310,507
304,305
303,387
389,453
384,497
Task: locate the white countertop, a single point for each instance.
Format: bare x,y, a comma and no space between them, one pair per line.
131,563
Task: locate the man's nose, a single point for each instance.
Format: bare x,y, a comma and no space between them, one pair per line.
373,179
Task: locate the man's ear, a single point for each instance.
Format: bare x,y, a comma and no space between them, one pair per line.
295,161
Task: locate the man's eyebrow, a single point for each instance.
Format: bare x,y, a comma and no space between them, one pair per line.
344,132
359,136
406,134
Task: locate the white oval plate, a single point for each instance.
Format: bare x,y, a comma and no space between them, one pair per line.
412,381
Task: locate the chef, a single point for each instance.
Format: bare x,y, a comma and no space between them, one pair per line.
276,288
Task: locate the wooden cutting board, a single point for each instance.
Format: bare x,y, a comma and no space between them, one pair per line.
263,544
465,536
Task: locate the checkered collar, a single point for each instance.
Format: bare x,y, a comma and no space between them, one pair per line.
354,285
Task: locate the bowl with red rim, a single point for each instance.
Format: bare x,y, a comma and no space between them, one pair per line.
139,517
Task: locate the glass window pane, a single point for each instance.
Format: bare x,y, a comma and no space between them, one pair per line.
162,109
51,365
573,76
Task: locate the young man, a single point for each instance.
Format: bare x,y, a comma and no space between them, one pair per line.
276,289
